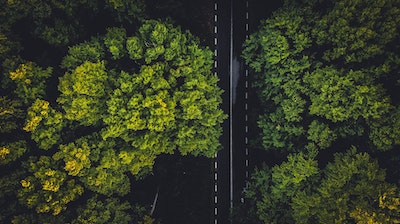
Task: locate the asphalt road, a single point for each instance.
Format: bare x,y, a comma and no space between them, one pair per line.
234,21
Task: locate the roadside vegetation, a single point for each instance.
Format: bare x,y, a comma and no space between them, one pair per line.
326,74
92,93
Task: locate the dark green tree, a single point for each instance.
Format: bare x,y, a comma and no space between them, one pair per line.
322,72
350,189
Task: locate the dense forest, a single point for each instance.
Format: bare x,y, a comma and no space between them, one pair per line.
326,74
92,94
95,94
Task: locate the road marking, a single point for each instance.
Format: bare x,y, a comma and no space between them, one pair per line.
215,221
247,163
246,117
215,64
247,4
247,151
215,18
247,84
247,172
246,140
215,176
215,165
215,41
215,199
215,188
247,128
215,73
245,106
215,29
215,211
247,72
247,15
246,95
247,36
215,7
247,27
230,111
215,52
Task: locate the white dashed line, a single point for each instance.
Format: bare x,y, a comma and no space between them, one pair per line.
215,211
247,84
245,106
246,117
247,15
247,151
246,95
247,27
247,162
247,129
216,154
247,72
247,172
246,140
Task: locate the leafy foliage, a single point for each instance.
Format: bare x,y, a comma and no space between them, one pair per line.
350,189
322,69
48,189
83,93
44,123
272,189
11,114
30,80
110,210
12,151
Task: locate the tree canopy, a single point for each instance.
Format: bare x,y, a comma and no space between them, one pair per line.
87,106
350,189
327,73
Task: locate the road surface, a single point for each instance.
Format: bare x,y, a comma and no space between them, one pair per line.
234,21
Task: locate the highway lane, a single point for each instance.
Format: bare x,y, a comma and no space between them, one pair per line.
221,68
234,21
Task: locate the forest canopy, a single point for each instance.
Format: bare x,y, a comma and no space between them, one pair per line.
91,110
326,76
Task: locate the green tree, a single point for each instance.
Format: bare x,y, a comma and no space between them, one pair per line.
44,123
48,188
97,211
83,93
11,114
168,100
352,188
322,74
57,21
271,189
31,81
12,151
